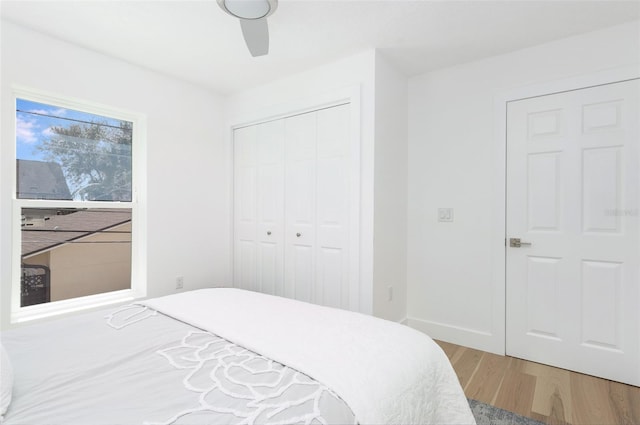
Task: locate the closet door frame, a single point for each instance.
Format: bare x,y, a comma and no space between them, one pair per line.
351,96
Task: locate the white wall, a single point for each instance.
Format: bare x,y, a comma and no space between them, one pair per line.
277,98
455,292
390,192
188,162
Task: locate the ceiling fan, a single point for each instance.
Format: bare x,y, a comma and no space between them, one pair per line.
253,21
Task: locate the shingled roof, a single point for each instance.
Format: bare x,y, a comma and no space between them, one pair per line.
69,226
41,180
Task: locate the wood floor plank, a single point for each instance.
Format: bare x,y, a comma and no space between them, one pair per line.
516,392
553,391
488,377
558,409
517,364
542,418
449,349
466,364
590,400
625,403
633,394
458,353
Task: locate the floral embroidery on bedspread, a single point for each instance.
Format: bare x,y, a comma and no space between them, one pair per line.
128,315
235,383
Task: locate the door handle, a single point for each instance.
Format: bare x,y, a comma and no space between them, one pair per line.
517,243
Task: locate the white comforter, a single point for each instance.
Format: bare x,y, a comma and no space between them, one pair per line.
386,372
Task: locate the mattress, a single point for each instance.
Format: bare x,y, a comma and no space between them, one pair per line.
228,356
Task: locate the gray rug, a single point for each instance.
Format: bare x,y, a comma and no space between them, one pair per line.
489,415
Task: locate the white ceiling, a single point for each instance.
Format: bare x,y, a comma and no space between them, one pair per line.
196,41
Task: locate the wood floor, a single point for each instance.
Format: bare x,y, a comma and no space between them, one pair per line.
545,393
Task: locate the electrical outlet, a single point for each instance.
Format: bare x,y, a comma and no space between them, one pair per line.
179,282
445,214
390,293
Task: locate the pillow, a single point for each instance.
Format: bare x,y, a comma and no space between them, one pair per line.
6,381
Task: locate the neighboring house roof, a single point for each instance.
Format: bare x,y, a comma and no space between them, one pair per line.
57,230
41,180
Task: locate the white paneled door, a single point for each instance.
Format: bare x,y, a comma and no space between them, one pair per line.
573,230
300,240
258,207
318,198
293,195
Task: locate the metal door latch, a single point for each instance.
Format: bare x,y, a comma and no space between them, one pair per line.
517,243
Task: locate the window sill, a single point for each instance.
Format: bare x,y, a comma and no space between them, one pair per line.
57,308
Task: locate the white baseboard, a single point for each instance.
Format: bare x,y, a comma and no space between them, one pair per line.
472,338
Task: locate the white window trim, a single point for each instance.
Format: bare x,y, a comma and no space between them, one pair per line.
138,214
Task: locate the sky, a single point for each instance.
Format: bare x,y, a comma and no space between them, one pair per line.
34,121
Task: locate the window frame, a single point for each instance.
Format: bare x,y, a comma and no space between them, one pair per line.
137,205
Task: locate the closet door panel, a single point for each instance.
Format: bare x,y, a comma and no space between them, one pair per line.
334,131
259,207
330,278
300,206
332,220
245,208
268,268
332,232
300,264
245,265
270,210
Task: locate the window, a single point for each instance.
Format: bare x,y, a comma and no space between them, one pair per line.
78,239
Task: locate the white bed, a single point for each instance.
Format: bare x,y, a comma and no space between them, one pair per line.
226,356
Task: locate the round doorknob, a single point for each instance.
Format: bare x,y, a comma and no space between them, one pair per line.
269,232
298,235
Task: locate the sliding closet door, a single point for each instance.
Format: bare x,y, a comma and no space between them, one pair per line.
259,207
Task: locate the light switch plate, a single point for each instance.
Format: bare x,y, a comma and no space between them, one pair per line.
445,214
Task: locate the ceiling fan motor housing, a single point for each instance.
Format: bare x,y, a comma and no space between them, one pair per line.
249,9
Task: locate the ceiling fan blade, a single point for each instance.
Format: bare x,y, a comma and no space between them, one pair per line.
256,35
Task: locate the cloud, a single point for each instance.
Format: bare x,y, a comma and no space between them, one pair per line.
60,112
26,131
47,132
